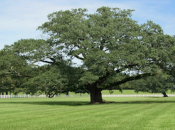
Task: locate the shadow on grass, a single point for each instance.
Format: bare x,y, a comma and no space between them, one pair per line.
67,103
143,102
83,103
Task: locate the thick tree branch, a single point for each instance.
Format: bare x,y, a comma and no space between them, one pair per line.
129,79
80,58
102,79
47,62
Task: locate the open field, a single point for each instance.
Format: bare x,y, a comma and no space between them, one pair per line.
75,113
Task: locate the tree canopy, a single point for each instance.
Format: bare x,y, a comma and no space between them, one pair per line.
14,70
109,43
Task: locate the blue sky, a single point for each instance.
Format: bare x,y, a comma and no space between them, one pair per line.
20,18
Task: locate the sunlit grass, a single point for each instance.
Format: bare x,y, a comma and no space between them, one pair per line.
75,113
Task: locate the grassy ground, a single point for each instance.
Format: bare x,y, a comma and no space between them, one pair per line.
106,92
75,113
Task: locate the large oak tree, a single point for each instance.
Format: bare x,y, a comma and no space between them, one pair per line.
108,43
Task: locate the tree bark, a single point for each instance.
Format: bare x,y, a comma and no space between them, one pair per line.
164,94
95,94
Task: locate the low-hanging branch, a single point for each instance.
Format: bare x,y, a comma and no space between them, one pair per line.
54,61
47,62
129,79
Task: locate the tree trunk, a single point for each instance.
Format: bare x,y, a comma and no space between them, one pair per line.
6,92
51,95
95,94
164,94
67,94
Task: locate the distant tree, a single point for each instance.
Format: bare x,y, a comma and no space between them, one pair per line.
155,84
126,85
49,82
14,70
52,80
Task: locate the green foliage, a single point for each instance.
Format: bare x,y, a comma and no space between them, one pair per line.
49,81
13,70
155,84
17,90
109,40
126,85
109,44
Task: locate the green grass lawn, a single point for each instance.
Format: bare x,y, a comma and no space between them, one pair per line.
106,92
75,113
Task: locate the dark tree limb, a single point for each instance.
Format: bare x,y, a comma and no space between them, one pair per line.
80,58
129,79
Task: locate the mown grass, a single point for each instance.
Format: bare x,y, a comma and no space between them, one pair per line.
75,113
107,93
